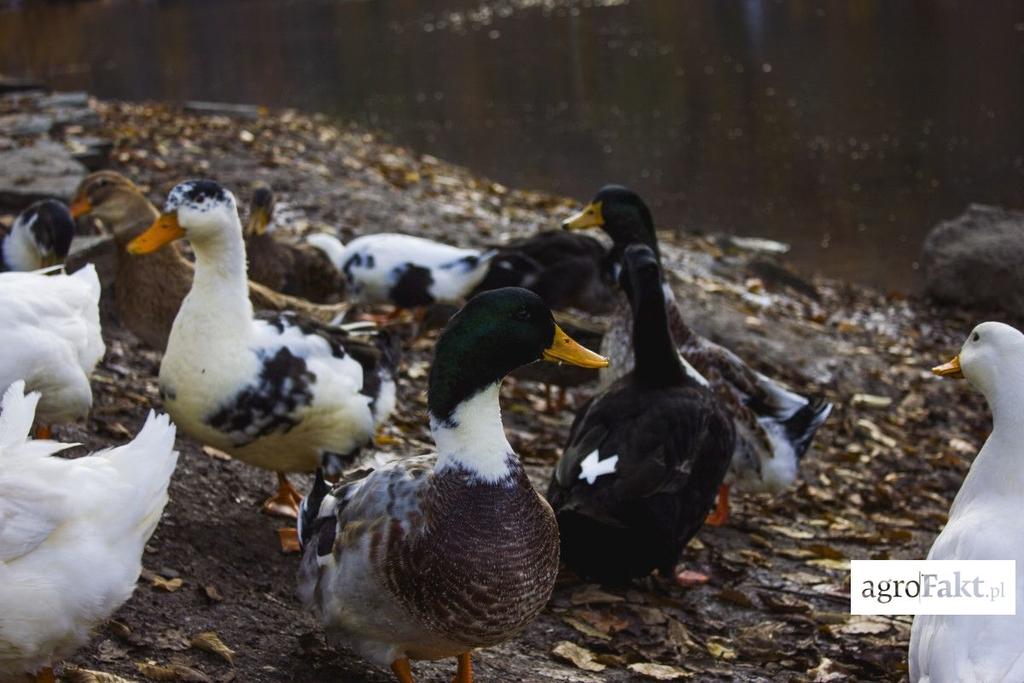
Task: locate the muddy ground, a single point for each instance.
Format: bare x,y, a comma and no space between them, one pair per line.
877,484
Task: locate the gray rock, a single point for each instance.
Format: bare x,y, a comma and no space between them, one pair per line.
17,125
43,169
237,111
65,99
974,260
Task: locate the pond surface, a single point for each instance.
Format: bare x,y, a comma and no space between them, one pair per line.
846,129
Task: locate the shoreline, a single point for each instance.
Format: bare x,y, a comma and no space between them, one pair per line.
882,473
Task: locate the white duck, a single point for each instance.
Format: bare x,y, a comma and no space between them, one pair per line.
986,522
50,327
404,270
72,534
277,392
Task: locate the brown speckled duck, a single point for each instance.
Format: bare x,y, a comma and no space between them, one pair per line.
436,556
299,270
149,289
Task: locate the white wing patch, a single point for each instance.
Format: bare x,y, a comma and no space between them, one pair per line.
591,468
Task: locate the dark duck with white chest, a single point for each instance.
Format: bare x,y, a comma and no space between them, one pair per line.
645,457
435,556
774,425
274,391
299,270
40,237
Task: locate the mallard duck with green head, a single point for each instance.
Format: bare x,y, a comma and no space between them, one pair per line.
436,556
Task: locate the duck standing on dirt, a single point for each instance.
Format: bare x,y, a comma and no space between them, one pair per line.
149,289
404,270
39,238
774,425
645,457
432,557
72,533
274,391
50,330
295,269
986,522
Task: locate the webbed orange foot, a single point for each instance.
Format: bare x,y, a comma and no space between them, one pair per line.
289,538
721,514
284,503
465,671
402,671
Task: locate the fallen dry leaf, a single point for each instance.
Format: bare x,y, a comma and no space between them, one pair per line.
89,676
592,595
716,647
659,672
858,626
211,642
581,657
173,672
585,628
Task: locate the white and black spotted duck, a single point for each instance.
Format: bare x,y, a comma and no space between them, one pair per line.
404,270
645,457
39,238
274,391
774,426
436,556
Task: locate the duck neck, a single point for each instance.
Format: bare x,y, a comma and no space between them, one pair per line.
998,470
127,216
472,438
655,358
19,252
220,290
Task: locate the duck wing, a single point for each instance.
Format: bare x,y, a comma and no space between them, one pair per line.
775,415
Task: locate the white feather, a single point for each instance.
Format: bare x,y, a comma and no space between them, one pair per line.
72,533
374,263
52,339
986,522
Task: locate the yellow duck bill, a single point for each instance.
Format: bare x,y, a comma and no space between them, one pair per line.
589,217
566,350
950,369
164,230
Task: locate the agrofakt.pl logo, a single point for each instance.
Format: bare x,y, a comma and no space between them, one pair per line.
933,587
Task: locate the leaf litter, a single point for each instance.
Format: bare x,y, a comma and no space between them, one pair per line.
877,483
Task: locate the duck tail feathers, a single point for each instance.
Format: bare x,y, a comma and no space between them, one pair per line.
17,412
330,245
145,464
801,425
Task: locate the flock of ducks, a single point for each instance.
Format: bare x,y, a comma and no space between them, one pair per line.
421,557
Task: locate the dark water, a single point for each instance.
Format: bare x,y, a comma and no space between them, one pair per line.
845,128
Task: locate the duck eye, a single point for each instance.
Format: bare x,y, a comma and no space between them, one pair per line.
521,314
976,337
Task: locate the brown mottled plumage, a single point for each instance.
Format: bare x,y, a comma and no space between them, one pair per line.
149,289
480,600
295,269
